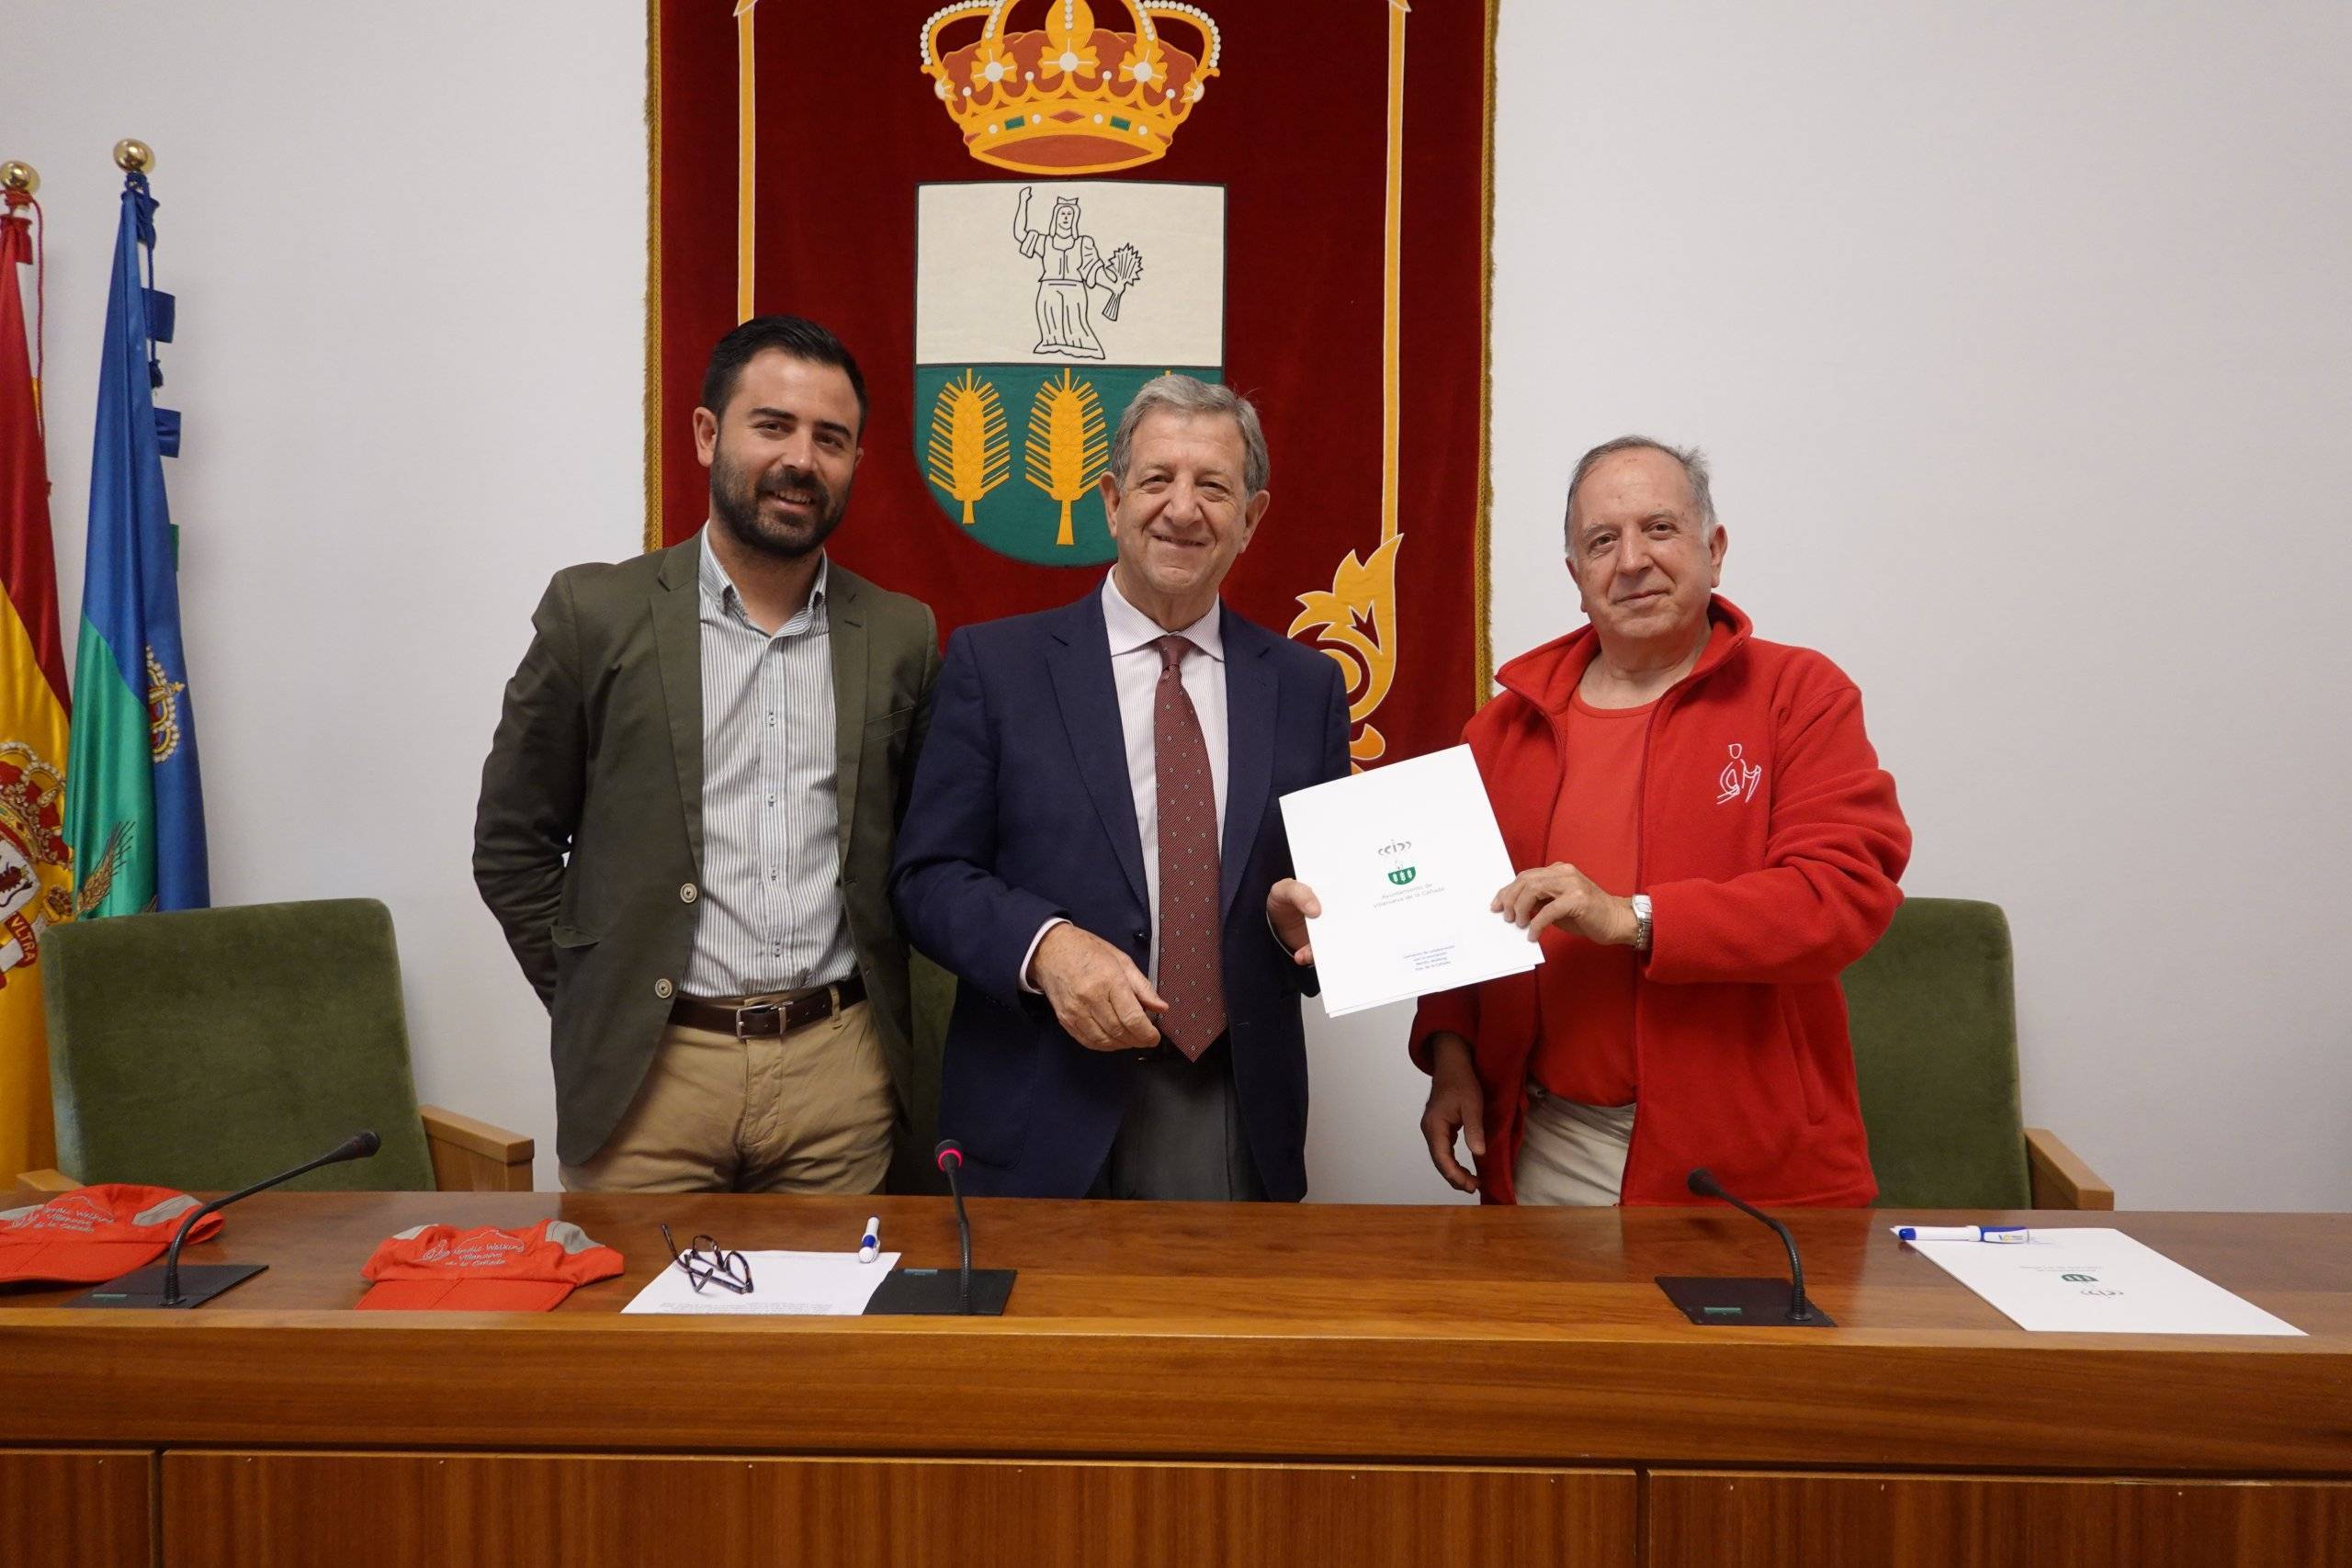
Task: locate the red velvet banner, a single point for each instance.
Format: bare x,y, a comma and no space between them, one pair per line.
1342,145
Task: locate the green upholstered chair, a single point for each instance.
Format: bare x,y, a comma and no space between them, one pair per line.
209,1049
1934,1019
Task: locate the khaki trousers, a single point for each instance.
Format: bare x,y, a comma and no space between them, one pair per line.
1572,1154
811,1111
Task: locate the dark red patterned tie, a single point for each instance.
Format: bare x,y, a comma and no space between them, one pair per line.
1191,964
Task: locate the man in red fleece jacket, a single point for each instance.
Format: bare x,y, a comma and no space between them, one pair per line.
1711,840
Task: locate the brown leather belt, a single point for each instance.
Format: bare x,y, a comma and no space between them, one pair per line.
766,1020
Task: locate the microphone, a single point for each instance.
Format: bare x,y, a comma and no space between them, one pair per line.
926,1291
209,1281
1746,1302
950,1156
1702,1182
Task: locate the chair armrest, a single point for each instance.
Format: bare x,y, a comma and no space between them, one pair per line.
475,1156
2060,1179
46,1180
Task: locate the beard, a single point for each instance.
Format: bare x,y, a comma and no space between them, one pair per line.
736,494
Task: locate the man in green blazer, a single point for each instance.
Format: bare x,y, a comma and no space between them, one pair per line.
689,810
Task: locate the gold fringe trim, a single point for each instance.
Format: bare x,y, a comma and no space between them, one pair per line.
1392,272
1484,586
654,275
746,118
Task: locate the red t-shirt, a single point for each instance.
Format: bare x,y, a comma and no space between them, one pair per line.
1584,992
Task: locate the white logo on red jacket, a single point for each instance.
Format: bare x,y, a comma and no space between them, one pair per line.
1739,778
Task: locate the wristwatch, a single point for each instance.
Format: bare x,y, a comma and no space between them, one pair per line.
1641,922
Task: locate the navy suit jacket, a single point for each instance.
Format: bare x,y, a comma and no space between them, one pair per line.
1021,811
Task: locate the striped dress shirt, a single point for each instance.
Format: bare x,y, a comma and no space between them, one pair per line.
772,917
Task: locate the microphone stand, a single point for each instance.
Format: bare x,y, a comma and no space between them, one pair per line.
1702,1182
976,1292
963,1227
1711,1299
161,1287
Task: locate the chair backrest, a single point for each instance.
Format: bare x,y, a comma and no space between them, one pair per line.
1933,1020
209,1049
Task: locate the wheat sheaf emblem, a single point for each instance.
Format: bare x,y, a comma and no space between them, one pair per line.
1068,447
969,454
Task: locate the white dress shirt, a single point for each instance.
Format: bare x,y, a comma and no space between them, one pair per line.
772,917
1135,670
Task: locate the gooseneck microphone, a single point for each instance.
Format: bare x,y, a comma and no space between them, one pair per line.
950,1155
933,1292
1702,1182
360,1145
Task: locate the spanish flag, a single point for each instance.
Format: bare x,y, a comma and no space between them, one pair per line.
35,868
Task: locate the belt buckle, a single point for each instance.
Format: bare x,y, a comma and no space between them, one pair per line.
742,1015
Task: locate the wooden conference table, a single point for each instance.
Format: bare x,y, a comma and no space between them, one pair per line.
1225,1385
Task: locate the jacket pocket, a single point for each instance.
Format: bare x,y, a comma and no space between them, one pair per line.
892,722
1799,1044
571,936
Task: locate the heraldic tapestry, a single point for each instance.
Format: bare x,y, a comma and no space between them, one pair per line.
1016,213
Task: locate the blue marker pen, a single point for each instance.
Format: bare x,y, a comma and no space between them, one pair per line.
1964,1233
870,1245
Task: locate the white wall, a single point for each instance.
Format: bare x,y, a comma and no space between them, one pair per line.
2019,335
405,243
2016,332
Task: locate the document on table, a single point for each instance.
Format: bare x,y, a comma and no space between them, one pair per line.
2093,1280
1405,859
806,1284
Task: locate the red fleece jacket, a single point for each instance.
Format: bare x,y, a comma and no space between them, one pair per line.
1770,846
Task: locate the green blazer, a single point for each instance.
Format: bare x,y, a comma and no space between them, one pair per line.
588,837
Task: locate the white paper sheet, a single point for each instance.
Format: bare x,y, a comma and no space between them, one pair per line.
2092,1280
1405,859
806,1284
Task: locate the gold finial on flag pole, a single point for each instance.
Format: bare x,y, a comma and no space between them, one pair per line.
133,157
17,174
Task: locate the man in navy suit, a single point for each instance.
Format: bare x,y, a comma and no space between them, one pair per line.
1093,846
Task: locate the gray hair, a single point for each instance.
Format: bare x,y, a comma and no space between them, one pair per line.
1694,471
1190,395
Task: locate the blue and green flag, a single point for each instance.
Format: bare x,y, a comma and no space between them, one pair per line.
134,808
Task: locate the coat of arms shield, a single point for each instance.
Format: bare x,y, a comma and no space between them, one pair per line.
1040,308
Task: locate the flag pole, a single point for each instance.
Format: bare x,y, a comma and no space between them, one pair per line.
19,184
134,797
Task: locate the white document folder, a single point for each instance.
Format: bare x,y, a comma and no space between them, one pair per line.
1405,859
2090,1279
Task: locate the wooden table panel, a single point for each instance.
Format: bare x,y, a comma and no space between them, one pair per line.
76,1509
1217,1332
1765,1520
363,1510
